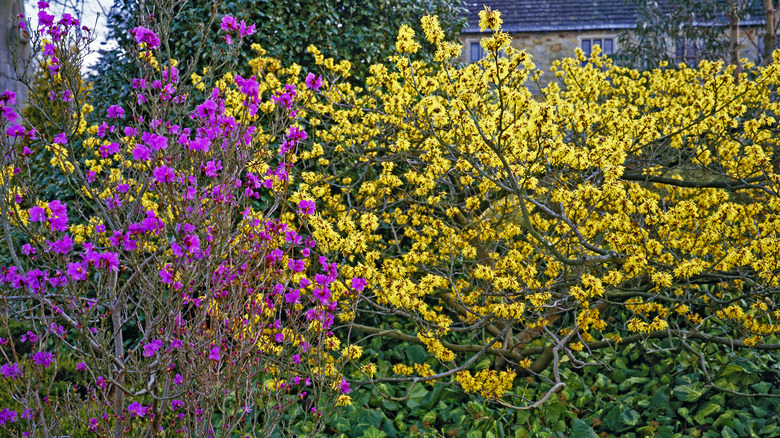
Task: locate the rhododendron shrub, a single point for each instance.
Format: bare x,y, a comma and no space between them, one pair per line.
183,282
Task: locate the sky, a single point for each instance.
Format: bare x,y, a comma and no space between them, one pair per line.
91,13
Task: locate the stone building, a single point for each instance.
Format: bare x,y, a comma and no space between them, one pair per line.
552,29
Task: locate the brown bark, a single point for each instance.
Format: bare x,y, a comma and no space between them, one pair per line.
770,34
734,39
14,47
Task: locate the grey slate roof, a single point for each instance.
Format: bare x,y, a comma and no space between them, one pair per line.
562,15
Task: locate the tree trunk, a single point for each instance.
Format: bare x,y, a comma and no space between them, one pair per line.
771,29
14,49
734,38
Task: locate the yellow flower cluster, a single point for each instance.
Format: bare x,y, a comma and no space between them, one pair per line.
490,384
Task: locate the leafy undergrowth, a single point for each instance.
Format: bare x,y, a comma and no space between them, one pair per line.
663,394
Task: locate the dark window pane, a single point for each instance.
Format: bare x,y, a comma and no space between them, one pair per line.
586,47
608,46
679,52
475,49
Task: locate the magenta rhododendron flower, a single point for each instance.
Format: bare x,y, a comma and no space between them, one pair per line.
206,109
214,353
59,216
154,141
313,82
151,348
57,329
200,144
11,371
115,112
7,416
144,35
164,174
358,284
43,358
61,138
77,271
212,167
141,153
191,243
137,409
344,387
293,296
296,265
250,87
45,19
62,245
37,214
229,24
307,207
16,131
165,276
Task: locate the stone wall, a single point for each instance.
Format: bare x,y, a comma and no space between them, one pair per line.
546,47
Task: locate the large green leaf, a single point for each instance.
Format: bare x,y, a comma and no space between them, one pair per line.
630,417
688,393
660,400
416,396
727,432
373,432
580,429
416,354
706,413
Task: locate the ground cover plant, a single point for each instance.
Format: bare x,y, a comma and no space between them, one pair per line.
249,253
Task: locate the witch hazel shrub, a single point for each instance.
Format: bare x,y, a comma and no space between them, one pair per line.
179,294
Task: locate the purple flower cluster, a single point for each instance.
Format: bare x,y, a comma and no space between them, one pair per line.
146,36
313,82
231,26
42,358
55,32
7,416
161,209
137,409
59,215
151,348
11,371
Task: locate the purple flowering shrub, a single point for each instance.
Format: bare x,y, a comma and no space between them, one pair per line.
184,284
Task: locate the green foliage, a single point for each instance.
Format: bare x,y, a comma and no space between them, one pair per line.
636,394
683,30
362,32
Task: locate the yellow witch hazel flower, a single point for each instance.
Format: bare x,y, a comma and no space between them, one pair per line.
489,19
433,32
405,42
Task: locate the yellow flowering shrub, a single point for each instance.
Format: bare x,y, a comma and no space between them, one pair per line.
609,207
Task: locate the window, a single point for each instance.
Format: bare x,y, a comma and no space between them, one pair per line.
476,52
607,45
686,51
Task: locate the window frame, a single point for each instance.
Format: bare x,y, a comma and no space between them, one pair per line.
600,37
475,44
